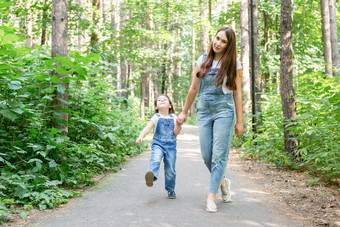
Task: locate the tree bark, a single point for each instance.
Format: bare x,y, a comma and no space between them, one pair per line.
29,24
44,23
59,47
286,75
79,26
265,74
334,37
256,66
326,36
193,61
203,30
245,58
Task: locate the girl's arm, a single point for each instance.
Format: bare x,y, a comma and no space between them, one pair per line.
238,103
177,129
145,131
182,117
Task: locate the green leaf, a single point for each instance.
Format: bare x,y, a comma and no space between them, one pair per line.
80,70
53,131
53,164
35,160
9,114
10,38
14,85
23,215
61,70
55,79
17,110
61,89
65,61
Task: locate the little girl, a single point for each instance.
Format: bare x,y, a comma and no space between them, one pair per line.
163,144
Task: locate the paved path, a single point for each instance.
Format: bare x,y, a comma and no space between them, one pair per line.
123,199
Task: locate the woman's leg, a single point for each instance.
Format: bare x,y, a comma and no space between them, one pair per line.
222,135
205,129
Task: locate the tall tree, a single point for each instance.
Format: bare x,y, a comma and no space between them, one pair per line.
286,75
334,37
326,36
46,6
59,47
193,60
245,56
203,29
255,67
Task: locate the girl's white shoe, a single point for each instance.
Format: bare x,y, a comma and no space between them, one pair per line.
211,206
226,194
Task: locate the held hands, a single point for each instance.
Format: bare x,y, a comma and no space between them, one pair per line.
182,117
238,129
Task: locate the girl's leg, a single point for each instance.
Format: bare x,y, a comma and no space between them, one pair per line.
155,161
222,135
169,169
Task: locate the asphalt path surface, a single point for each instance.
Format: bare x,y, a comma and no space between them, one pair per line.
123,199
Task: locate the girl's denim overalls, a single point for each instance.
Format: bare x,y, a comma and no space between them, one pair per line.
164,146
216,119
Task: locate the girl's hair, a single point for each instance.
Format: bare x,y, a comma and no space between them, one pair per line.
228,61
171,110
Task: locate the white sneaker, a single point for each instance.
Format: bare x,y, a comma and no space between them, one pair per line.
226,194
211,206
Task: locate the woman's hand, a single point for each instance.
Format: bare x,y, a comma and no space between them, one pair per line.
182,117
238,129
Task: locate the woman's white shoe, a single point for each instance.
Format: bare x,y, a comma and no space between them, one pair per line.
226,194
211,206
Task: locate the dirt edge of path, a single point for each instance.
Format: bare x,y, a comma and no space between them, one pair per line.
309,205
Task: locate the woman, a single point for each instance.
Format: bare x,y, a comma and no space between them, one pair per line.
218,78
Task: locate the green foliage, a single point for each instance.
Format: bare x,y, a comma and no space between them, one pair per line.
318,115
36,161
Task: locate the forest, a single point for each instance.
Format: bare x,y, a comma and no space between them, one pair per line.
78,79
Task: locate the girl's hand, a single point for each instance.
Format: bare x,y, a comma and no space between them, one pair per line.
238,129
182,117
139,139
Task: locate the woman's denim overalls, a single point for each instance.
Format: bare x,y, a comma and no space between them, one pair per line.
164,146
216,119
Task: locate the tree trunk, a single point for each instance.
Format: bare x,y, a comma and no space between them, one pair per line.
210,19
79,26
44,23
326,36
256,66
115,18
59,47
265,74
203,30
334,37
123,64
29,24
245,58
95,19
193,62
286,75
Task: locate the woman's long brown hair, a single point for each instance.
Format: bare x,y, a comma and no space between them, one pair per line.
228,61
